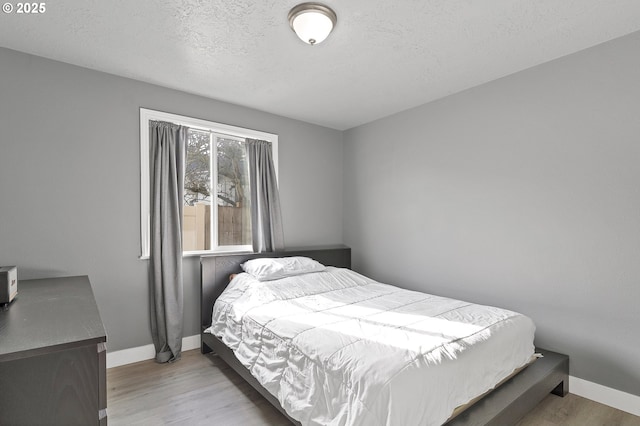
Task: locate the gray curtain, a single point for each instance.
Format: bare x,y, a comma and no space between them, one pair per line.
167,152
266,218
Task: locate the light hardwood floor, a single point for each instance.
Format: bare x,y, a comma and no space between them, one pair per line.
202,390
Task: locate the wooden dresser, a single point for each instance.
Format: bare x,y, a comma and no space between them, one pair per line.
53,355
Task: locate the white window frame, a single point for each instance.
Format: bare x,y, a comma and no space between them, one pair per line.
219,129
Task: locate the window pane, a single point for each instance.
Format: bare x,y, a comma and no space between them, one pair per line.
196,232
234,214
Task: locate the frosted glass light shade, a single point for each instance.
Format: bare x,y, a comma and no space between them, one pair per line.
312,22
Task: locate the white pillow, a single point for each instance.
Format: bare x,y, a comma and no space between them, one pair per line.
265,269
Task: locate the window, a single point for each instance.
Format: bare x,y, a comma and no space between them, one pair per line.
216,209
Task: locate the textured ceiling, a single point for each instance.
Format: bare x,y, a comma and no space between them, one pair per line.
383,56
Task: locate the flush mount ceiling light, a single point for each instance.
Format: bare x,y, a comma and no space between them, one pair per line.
312,22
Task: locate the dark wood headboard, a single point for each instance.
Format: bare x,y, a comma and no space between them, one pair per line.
215,270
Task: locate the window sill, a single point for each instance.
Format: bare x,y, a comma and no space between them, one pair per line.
205,253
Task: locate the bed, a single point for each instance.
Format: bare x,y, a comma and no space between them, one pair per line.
405,395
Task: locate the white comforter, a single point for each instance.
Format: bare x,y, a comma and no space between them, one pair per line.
337,348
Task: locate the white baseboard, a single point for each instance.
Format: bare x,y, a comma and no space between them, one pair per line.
593,391
604,395
143,353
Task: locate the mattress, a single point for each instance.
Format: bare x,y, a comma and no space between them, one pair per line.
338,348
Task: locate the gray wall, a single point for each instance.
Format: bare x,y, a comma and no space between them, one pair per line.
70,182
522,193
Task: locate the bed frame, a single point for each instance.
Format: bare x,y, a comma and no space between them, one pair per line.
503,406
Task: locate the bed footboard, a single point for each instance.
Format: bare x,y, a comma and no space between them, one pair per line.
504,405
517,396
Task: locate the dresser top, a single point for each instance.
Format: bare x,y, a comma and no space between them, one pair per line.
48,315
